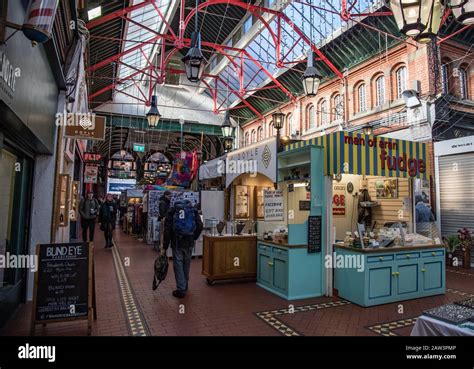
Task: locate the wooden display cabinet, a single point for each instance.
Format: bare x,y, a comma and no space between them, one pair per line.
241,205
62,200
229,258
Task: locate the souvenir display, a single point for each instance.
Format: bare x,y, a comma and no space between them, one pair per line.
469,303
451,313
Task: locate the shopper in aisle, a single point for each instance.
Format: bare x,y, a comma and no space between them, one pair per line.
107,218
89,209
424,217
183,226
165,203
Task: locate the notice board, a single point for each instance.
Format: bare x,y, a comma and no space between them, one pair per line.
314,234
273,205
64,285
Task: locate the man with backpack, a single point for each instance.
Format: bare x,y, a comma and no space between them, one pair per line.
89,210
183,227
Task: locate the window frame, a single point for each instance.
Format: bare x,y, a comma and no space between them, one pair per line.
380,91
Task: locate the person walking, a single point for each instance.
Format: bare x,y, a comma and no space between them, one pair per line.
165,203
107,218
424,217
183,227
89,209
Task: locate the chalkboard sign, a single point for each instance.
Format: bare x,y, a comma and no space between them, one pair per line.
305,205
314,234
64,283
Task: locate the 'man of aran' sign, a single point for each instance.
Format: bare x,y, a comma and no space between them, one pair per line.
352,153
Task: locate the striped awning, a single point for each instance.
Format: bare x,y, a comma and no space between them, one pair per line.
352,153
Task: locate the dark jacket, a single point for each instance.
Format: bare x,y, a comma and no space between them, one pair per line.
169,236
164,206
108,212
423,213
89,209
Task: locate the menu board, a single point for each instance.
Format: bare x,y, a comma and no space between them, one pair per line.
314,234
273,205
63,282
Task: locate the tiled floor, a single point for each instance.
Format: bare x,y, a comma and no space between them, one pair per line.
126,305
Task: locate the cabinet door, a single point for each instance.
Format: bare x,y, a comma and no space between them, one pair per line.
280,274
380,282
264,269
432,274
407,278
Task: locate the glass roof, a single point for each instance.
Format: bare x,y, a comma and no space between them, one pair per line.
318,19
147,17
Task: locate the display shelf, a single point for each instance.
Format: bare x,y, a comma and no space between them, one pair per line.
241,207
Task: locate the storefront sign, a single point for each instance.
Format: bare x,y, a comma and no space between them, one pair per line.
257,158
350,153
8,74
273,205
92,158
91,173
83,126
339,199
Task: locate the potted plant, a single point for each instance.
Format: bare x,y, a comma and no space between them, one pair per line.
465,239
452,244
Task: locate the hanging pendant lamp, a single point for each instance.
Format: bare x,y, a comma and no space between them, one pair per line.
194,59
463,10
311,77
153,116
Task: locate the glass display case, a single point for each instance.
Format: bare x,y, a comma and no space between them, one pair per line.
241,202
259,201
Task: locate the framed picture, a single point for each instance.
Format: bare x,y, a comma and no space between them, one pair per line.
386,188
69,149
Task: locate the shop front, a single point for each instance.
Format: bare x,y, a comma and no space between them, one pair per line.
28,105
352,221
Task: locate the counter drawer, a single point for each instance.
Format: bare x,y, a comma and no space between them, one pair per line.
408,256
433,254
379,258
279,251
264,248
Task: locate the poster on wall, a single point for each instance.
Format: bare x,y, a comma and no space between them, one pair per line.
339,199
91,173
273,205
386,188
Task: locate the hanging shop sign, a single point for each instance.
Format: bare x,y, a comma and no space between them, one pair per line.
273,205
257,158
91,174
139,147
351,153
339,199
83,126
64,284
92,158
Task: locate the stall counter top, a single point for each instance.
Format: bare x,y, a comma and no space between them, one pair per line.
283,244
389,249
229,236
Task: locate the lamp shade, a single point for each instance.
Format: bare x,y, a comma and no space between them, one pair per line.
463,10
368,130
194,59
227,128
278,120
433,24
311,77
153,115
415,17
228,143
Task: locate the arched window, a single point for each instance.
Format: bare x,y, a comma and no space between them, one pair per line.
290,124
247,139
338,107
271,130
253,136
463,83
401,80
260,133
380,91
323,113
361,98
310,117
445,77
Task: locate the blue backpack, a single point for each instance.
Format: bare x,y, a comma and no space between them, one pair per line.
184,221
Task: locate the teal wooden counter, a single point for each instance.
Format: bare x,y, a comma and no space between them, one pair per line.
288,270
390,275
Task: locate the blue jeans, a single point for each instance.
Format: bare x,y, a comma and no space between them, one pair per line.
181,265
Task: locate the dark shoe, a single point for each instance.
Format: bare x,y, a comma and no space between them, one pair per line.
178,294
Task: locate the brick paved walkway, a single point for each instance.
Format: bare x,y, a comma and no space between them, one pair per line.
126,304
